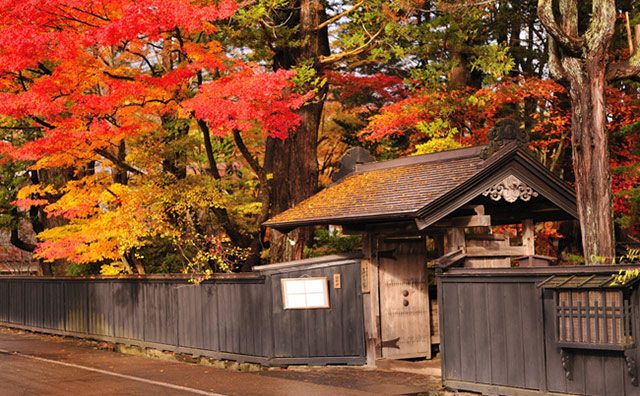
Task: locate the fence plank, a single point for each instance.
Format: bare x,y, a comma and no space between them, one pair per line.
482,337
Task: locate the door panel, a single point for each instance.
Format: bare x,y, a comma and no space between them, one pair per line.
404,299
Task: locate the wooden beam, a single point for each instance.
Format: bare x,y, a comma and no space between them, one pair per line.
455,239
450,259
528,237
464,221
477,251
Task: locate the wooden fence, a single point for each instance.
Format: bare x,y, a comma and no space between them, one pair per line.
238,317
503,335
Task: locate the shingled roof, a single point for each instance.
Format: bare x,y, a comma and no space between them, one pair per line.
409,188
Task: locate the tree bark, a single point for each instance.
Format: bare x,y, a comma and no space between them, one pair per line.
293,161
590,148
580,62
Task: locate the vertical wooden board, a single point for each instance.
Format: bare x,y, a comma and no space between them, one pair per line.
497,318
513,335
161,321
531,311
225,317
594,384
482,336
191,315
247,322
352,302
16,302
154,313
261,303
267,318
34,309
614,373
297,333
100,308
254,344
556,381
53,305
317,325
235,324
467,331
404,299
578,376
243,315
4,300
185,314
281,321
129,309
76,306
210,330
451,327
334,326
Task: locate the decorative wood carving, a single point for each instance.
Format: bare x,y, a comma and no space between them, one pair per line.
504,131
632,368
510,189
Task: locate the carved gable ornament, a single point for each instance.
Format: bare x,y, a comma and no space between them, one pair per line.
503,132
510,189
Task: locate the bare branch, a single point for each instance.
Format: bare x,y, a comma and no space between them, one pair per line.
326,60
206,135
338,16
117,77
117,162
253,163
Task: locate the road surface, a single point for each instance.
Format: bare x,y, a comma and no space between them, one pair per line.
41,365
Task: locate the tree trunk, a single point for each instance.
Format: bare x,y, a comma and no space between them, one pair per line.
293,161
590,148
295,177
580,62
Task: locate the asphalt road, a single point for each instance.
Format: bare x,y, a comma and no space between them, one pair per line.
38,365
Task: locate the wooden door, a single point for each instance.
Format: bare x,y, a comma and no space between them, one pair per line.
404,299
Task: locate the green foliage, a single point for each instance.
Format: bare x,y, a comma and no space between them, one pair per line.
573,259
333,243
75,269
441,137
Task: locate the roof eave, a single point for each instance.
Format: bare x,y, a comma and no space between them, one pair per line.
369,218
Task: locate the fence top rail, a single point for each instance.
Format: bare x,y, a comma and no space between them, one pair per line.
233,277
535,271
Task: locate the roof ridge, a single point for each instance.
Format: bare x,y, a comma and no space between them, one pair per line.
457,154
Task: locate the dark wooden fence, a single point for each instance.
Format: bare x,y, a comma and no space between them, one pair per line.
238,317
498,336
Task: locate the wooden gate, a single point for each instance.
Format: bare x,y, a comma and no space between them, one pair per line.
404,299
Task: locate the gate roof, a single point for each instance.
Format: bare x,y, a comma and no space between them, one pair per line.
425,188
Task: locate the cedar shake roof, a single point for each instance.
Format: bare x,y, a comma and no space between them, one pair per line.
393,188
413,187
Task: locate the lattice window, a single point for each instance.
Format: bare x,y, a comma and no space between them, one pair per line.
593,318
591,311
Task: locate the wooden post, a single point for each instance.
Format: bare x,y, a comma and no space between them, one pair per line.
455,239
528,237
371,300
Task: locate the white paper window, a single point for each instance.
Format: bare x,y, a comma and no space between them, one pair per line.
305,293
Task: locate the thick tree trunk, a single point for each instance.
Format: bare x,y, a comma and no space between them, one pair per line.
295,178
293,161
580,61
590,149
